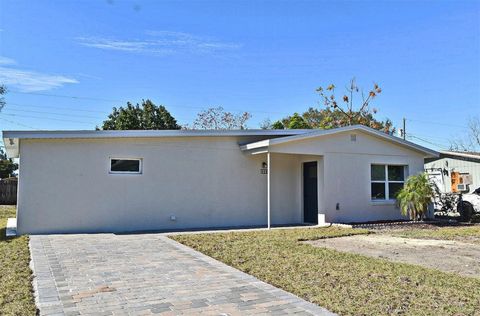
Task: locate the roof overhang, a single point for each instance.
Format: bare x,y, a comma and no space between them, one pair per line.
264,145
469,156
12,139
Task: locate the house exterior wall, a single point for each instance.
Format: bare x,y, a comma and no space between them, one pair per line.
346,174
204,182
458,165
65,185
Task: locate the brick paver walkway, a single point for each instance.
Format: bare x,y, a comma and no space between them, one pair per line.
145,274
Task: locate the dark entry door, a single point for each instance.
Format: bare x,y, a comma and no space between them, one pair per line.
310,195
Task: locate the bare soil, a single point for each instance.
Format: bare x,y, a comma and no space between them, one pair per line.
445,255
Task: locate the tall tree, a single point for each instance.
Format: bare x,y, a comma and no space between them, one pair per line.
471,142
354,108
7,166
144,116
219,119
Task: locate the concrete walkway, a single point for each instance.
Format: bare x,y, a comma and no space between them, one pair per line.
145,274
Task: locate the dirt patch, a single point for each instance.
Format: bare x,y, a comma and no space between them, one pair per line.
445,255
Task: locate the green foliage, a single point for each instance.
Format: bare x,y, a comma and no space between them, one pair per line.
332,118
7,166
146,116
353,108
16,292
297,122
415,196
278,125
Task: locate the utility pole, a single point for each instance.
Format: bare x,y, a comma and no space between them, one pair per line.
404,132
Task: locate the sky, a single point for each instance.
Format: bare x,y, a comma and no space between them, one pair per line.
67,63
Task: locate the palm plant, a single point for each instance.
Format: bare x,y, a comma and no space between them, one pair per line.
415,196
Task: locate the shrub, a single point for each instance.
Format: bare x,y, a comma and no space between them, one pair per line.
415,196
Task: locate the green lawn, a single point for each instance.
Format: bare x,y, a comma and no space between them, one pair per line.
347,284
16,293
469,233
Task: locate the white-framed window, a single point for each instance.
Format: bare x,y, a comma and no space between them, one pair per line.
126,165
386,181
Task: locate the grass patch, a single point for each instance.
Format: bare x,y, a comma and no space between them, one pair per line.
16,293
468,233
344,283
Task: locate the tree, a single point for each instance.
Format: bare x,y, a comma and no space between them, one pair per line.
297,122
7,166
146,116
3,91
217,118
341,113
472,140
415,196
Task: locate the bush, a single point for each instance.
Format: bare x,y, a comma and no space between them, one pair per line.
415,196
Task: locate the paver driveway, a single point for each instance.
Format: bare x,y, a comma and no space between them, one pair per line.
144,274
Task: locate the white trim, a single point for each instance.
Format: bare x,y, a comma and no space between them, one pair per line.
11,138
386,182
148,133
140,165
320,133
461,154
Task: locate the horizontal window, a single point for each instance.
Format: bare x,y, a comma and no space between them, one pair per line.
386,181
121,165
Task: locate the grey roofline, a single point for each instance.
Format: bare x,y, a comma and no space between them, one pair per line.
455,154
11,138
147,133
317,133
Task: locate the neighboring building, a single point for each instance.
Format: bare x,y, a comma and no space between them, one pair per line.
114,181
455,171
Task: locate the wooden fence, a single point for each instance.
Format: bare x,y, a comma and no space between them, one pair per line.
8,191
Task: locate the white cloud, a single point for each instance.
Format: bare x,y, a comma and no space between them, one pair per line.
27,80
6,61
161,43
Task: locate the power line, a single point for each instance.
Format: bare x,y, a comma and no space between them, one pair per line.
49,118
53,113
123,101
427,141
436,123
17,123
52,107
67,96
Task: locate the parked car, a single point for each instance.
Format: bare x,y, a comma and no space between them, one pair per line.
469,205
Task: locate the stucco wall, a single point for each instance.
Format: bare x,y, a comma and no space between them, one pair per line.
346,169
65,186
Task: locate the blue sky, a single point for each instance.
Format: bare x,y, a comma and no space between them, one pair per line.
68,63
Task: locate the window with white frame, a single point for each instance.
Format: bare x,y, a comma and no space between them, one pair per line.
126,165
386,181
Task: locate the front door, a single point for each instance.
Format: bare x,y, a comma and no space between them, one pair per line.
310,194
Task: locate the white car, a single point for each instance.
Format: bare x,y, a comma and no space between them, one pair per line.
469,205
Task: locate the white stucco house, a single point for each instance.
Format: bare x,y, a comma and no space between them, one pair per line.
116,181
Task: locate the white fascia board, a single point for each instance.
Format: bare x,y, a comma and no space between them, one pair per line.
461,154
12,138
146,133
317,133
259,144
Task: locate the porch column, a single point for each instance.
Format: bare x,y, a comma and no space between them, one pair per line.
269,169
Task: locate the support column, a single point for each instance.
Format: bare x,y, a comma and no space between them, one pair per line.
269,169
